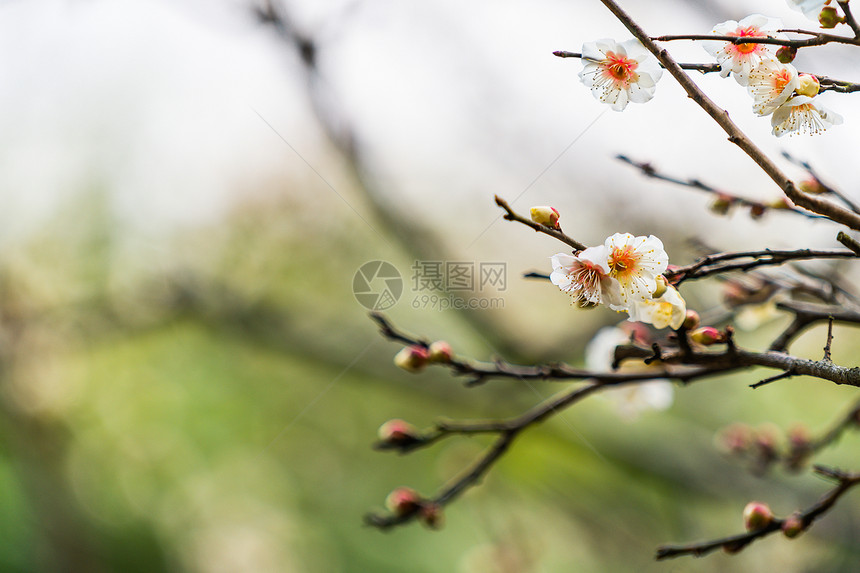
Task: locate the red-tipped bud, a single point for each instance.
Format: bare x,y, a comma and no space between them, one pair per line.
781,203
412,358
403,501
432,516
792,526
692,319
812,186
798,437
397,432
707,335
735,438
721,204
829,17
757,210
440,351
545,215
807,85
786,54
757,516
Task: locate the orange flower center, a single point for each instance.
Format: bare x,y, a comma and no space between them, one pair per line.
619,67
749,32
623,261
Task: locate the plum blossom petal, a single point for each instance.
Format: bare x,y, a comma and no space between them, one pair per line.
741,59
668,310
585,276
771,84
810,8
619,73
635,263
801,114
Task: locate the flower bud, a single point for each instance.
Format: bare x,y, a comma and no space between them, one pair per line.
707,335
721,204
691,321
397,432
792,526
662,285
757,516
807,85
786,54
735,439
432,516
829,17
812,186
403,501
440,351
757,210
412,358
546,216
781,203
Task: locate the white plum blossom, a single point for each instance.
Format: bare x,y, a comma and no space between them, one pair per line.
635,263
741,59
618,73
810,8
631,400
585,276
668,310
801,115
770,85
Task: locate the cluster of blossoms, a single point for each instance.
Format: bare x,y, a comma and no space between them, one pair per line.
626,274
775,85
619,73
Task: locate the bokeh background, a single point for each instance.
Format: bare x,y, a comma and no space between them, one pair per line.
187,382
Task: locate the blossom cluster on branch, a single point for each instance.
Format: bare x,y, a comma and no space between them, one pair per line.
663,343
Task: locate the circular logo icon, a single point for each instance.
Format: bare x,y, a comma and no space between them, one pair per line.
377,285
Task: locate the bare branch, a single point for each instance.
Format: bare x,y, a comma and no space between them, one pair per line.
510,215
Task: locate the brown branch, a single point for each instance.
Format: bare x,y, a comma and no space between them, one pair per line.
806,517
849,242
648,170
849,17
807,314
816,39
736,136
510,215
725,262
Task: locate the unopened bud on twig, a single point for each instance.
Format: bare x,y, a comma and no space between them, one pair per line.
707,335
691,321
735,439
829,17
403,501
412,358
397,432
812,186
757,210
781,203
792,526
786,54
440,351
721,204
545,215
807,85
757,516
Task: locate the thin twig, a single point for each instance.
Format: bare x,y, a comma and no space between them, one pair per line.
849,17
816,39
510,215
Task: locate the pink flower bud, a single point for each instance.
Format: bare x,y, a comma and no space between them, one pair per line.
786,54
396,432
807,85
735,438
412,358
812,186
440,351
546,216
403,501
792,526
707,335
829,17
691,321
757,516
